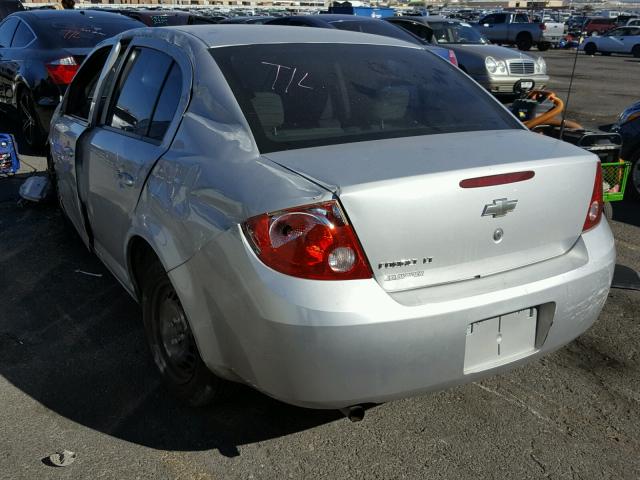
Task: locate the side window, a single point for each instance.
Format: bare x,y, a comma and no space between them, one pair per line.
82,89
490,19
419,30
167,104
521,18
23,36
7,28
138,89
500,18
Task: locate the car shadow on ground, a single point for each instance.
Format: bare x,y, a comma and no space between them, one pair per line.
72,339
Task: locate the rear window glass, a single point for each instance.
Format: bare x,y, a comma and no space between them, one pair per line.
84,31
303,95
378,27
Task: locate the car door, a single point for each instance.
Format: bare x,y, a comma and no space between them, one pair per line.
612,41
143,112
7,29
76,117
630,39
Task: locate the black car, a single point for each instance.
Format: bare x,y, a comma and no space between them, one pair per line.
7,7
40,52
248,20
165,18
363,24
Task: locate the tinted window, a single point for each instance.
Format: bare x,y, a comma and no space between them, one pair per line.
82,89
376,27
418,29
167,104
138,89
7,28
456,33
521,18
23,36
83,31
302,95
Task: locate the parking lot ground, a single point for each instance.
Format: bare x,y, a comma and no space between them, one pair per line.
75,374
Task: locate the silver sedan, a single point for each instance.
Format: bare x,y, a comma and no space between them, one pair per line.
502,71
331,217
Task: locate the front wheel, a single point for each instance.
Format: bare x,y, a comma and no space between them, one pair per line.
635,51
544,46
172,343
590,49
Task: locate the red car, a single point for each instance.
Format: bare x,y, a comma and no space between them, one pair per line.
598,25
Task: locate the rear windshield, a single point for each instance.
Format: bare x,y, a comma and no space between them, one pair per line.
304,95
85,31
376,27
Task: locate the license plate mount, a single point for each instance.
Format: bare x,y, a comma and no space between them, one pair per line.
499,340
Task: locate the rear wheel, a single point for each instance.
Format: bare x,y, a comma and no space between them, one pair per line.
608,210
171,341
635,51
543,46
524,41
590,48
32,132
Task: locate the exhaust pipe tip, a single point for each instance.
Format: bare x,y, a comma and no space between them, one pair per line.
355,413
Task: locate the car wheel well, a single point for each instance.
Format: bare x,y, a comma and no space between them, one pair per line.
140,258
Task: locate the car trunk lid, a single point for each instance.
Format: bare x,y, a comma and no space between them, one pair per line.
419,227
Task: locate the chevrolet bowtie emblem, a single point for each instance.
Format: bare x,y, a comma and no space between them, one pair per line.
499,207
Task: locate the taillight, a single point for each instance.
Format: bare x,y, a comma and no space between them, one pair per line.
63,70
542,26
452,57
596,204
312,241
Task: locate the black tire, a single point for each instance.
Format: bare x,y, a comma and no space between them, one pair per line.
633,183
172,344
543,46
31,131
590,48
635,51
608,210
524,41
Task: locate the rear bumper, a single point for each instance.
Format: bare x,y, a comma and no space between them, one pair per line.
335,344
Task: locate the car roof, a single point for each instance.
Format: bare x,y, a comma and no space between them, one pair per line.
233,35
335,17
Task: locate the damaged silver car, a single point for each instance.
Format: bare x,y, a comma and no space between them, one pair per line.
331,217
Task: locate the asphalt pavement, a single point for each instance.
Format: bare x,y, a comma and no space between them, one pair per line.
75,374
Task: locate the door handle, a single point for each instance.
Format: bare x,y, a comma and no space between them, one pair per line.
125,179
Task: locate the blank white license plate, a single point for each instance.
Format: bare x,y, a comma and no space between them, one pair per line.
499,340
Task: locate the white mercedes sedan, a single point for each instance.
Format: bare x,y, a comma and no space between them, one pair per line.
331,217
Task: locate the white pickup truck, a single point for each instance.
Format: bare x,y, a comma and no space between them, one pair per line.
516,28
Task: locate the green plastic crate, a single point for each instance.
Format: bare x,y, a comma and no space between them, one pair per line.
614,179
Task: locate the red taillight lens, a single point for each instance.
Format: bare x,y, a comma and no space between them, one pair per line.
452,57
313,241
596,204
542,26
63,70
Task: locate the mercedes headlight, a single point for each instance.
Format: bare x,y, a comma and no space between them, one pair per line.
494,66
541,66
